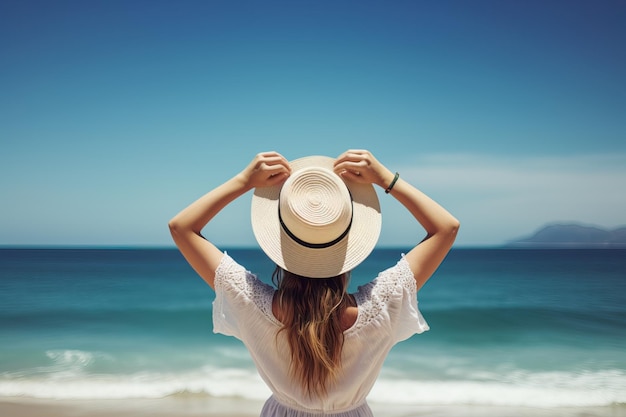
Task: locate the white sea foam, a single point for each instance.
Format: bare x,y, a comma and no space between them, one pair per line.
213,382
519,388
70,362
547,389
64,364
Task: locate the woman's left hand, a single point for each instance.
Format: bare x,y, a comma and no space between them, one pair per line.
265,170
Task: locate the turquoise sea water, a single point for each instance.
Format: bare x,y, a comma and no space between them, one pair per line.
540,328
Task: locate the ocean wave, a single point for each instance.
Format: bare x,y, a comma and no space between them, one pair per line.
517,388
63,364
75,359
142,385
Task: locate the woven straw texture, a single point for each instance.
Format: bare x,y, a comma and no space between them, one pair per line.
315,206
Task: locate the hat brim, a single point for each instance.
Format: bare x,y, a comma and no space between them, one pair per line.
343,256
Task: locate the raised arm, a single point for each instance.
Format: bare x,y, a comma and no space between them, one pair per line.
441,227
266,169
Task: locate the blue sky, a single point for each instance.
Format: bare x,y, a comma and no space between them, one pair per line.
114,115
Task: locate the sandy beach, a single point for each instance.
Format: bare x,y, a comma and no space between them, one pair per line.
17,407
179,407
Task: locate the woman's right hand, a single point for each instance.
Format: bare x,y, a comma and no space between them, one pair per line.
361,166
265,170
441,226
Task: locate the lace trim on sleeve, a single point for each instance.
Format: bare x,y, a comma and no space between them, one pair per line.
237,283
373,297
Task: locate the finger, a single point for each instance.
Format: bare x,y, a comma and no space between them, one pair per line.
352,166
272,155
276,160
356,151
278,178
354,155
272,163
269,153
351,176
346,157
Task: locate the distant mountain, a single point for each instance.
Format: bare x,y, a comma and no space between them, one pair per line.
573,236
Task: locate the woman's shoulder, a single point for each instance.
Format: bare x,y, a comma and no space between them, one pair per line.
393,278
231,276
391,287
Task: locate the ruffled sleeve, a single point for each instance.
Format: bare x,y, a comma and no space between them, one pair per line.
238,294
390,302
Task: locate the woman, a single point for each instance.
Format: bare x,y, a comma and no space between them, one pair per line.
318,348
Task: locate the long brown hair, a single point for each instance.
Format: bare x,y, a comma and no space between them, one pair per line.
311,311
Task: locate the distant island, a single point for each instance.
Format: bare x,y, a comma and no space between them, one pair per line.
572,236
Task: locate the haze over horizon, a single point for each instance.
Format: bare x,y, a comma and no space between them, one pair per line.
116,115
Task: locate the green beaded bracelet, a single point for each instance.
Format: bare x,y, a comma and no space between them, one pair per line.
395,179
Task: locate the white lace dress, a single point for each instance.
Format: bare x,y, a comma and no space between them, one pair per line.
387,314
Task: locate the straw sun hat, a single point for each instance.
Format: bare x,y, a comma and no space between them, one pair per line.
315,224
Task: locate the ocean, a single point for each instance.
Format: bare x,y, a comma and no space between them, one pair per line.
509,327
